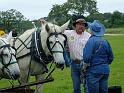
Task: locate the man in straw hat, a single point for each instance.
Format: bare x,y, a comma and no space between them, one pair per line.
97,55
77,39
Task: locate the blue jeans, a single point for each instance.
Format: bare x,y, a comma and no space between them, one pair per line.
75,74
97,83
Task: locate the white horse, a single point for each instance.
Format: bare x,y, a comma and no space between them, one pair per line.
52,42
9,68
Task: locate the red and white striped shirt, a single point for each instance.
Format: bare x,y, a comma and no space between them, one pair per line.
76,43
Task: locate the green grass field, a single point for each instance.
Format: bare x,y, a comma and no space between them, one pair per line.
115,30
63,82
117,71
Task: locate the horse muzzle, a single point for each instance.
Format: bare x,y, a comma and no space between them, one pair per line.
15,76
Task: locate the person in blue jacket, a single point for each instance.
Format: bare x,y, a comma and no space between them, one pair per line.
97,55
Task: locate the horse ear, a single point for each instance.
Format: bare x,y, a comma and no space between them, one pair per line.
47,27
44,24
64,26
42,21
9,37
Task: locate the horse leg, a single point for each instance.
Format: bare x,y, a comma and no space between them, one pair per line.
23,78
39,86
24,69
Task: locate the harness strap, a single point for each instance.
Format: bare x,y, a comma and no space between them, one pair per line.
25,46
36,48
23,43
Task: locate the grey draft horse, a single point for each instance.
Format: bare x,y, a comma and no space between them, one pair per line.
51,39
9,68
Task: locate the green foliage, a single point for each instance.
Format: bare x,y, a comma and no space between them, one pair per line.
14,19
95,16
81,7
61,13
11,18
117,19
110,20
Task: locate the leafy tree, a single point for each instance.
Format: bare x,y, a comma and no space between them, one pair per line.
82,7
12,19
107,15
61,13
95,16
104,18
117,19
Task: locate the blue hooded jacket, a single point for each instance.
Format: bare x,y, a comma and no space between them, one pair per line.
98,53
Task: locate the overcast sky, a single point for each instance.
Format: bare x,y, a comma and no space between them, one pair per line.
35,9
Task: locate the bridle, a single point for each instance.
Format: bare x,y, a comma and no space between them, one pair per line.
57,41
2,54
56,34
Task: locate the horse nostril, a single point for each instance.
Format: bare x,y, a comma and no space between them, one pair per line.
16,76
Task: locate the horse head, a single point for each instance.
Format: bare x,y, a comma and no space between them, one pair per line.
8,64
56,40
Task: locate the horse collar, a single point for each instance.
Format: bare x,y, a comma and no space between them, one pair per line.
37,51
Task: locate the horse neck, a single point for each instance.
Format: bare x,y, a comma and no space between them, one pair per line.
44,36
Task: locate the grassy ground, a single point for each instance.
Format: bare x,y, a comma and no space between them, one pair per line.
63,82
115,30
117,71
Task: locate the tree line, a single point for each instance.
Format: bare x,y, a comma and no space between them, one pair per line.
87,8
13,19
59,14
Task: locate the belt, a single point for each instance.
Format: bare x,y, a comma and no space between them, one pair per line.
76,61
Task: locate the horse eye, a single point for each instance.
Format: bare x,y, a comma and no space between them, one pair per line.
5,55
50,42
